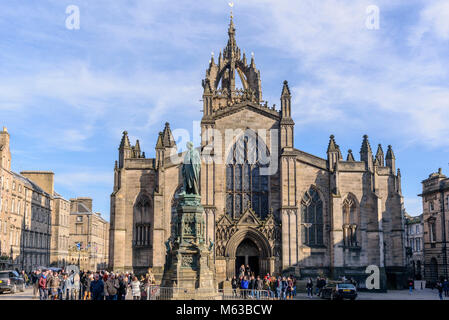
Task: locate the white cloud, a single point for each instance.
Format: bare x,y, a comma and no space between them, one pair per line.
349,72
81,179
433,21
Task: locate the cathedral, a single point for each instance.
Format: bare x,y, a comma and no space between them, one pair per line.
295,214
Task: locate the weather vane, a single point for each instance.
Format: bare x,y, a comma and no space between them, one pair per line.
231,4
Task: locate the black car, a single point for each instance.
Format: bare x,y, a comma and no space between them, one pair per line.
339,291
11,281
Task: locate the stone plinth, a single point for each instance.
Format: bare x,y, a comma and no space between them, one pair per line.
188,268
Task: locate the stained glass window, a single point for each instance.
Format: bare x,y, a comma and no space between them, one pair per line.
245,186
312,218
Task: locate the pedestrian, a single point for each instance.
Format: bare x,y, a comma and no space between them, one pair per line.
309,287
284,288
111,287
53,285
121,291
35,282
439,287
279,288
446,288
294,286
289,288
234,285
252,287
135,288
66,286
43,294
410,287
244,287
76,286
259,287
89,280
97,288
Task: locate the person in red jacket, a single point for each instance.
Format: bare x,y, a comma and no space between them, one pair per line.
43,293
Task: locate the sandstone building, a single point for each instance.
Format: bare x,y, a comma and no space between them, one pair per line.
414,230
309,216
435,200
89,236
25,214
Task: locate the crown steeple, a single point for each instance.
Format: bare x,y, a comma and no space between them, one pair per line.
220,90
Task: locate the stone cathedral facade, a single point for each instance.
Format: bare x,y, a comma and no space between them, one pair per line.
311,216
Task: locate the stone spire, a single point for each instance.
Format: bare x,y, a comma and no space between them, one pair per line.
332,146
136,149
390,159
232,51
380,156
167,137
125,140
350,156
165,145
286,99
125,151
333,152
366,153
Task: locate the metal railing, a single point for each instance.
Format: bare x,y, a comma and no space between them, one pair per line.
245,294
155,292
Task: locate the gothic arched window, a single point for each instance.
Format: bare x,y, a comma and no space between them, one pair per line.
312,218
350,223
245,185
142,231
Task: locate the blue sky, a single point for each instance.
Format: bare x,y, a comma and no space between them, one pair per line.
67,95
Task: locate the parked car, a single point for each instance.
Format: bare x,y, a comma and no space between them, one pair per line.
339,291
11,281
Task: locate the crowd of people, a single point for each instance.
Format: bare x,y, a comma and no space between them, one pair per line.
87,285
247,285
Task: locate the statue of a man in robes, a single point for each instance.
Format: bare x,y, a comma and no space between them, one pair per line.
191,170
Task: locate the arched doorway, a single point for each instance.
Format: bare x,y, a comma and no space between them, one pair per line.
248,245
247,254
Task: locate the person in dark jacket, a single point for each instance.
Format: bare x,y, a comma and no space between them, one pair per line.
259,286
309,287
97,288
252,286
235,285
121,291
439,287
446,288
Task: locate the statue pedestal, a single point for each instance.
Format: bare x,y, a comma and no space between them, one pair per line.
188,270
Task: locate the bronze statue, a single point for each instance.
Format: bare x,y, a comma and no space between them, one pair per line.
191,170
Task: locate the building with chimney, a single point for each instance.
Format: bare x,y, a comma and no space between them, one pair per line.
89,236
267,204
26,213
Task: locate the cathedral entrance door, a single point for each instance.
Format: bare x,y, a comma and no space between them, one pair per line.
247,254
